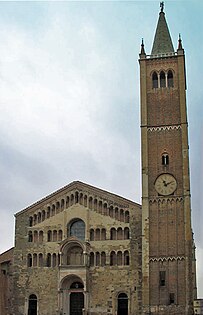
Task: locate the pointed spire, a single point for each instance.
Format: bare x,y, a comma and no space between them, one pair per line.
142,48
180,43
142,52
162,40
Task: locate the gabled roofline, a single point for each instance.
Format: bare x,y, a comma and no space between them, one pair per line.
73,185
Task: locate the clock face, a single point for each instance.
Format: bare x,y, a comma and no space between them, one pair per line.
165,184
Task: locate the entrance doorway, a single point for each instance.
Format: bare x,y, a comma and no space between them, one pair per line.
76,303
32,305
122,304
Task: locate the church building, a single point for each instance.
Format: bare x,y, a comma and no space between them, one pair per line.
85,251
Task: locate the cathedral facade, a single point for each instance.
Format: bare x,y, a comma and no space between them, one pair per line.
83,250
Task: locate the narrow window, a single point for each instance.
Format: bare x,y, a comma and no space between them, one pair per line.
171,298
170,78
119,233
34,260
126,258
113,234
91,259
49,236
103,258
30,237
32,305
162,278
43,215
127,217
40,236
119,258
91,235
162,79
54,260
30,221
29,260
48,260
54,236
60,235
40,260
103,234
97,259
154,80
113,260
126,233
97,235
165,159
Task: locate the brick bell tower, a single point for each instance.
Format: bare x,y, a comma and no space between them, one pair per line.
167,281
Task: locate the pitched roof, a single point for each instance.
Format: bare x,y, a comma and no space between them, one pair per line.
162,40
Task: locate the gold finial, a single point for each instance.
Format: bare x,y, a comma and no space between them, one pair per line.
162,6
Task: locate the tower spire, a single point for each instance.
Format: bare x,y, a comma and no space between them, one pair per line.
162,40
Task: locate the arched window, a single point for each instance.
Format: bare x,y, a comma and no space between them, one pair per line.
75,256
60,235
54,236
40,236
40,260
90,203
30,237
122,215
53,210
85,201
127,217
81,199
35,219
97,236
170,78
30,221
113,234
100,206
116,213
126,233
105,208
91,259
67,201
122,308
113,260
48,212
103,234
49,236
39,217
77,229
35,236
165,159
29,260
119,258
71,199
162,79
95,204
43,215
91,235
103,258
126,258
62,204
76,197
48,260
111,211
119,233
54,260
97,263
154,80
34,260
32,305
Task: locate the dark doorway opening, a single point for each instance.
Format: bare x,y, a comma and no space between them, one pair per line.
122,304
76,303
32,305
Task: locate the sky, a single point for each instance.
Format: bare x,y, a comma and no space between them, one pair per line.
69,99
